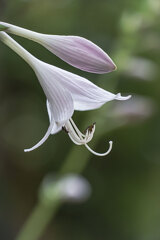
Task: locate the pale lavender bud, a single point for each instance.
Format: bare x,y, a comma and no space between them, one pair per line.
78,52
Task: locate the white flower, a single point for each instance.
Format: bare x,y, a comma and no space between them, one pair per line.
77,51
65,93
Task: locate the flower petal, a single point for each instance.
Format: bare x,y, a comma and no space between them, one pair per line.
56,127
60,99
43,139
78,52
60,103
85,94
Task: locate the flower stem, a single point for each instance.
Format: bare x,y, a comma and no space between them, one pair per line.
7,40
75,162
42,214
38,221
20,31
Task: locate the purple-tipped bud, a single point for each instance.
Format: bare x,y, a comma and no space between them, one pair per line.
78,52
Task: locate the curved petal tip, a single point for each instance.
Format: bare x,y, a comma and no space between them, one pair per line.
119,97
43,139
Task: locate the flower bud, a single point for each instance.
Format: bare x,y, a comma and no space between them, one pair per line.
78,52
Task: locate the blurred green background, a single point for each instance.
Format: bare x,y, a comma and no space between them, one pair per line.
125,200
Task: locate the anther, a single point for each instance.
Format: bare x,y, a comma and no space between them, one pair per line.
90,128
65,129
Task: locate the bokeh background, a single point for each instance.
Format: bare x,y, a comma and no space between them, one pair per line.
125,200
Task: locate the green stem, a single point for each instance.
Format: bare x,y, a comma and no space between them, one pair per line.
76,160
42,214
38,221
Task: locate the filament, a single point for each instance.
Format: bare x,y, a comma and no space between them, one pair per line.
100,154
75,134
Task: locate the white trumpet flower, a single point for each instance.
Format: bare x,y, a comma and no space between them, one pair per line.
65,93
77,51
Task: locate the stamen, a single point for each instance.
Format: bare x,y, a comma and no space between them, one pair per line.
82,139
89,128
64,129
73,135
100,154
44,138
87,135
76,128
91,133
73,140
76,136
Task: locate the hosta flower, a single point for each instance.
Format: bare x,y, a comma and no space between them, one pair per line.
77,51
65,93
